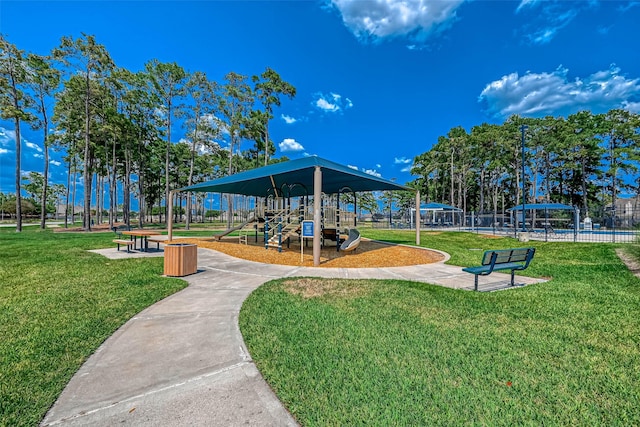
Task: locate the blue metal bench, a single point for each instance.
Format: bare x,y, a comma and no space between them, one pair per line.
502,259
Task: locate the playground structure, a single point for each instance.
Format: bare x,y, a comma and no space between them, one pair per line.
278,220
305,179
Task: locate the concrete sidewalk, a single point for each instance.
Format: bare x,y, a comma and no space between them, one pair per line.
183,361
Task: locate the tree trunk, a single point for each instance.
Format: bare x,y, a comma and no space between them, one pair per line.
451,178
86,221
583,182
18,175
66,204
614,184
190,180
266,143
166,164
45,185
113,189
126,203
98,190
547,178
73,194
98,196
482,189
142,208
160,204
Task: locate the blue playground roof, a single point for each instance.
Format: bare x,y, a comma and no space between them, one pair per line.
439,207
281,177
541,206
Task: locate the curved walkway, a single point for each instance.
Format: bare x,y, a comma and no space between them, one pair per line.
183,361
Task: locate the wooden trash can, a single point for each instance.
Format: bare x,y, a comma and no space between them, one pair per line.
180,259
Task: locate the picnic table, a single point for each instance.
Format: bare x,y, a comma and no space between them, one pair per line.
144,237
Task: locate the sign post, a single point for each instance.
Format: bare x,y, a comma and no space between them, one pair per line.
307,232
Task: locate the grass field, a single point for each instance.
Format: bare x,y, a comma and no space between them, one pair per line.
58,303
360,352
566,352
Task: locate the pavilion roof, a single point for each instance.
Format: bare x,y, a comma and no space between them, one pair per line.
295,178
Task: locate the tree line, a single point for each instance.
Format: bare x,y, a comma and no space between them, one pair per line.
584,160
117,127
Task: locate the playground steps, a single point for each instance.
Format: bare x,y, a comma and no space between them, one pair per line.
288,230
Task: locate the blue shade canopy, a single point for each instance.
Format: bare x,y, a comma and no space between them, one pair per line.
295,178
540,206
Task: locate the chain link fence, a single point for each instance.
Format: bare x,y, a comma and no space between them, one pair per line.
601,227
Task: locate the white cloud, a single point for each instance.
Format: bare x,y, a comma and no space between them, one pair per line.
378,19
290,144
625,7
634,107
526,3
325,105
32,146
331,103
3,151
546,18
288,119
406,169
401,160
543,36
372,172
554,93
604,30
7,137
55,162
378,165
38,156
160,112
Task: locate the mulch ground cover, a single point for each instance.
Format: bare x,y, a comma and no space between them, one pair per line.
369,254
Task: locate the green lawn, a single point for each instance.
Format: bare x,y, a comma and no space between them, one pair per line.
362,352
565,352
58,303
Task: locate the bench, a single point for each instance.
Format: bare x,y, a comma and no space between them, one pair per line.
125,242
503,259
120,239
157,240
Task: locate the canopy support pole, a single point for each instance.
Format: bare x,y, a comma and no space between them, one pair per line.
417,218
317,196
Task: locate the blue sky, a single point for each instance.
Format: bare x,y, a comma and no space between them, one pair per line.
377,81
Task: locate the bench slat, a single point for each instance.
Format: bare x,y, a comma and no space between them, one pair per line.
127,243
123,242
496,267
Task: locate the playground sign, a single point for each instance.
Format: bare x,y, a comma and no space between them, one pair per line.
307,229
307,232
